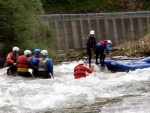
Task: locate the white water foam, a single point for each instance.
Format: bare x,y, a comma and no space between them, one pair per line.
19,94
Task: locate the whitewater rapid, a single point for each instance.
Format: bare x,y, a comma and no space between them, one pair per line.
100,92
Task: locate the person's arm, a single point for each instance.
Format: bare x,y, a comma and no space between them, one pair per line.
9,58
89,70
107,48
94,45
87,41
49,64
29,63
35,61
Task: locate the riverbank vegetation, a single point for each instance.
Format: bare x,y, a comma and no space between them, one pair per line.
21,25
94,6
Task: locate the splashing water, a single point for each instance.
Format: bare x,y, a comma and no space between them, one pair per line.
100,92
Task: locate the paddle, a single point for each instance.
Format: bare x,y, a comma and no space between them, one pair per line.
93,70
51,75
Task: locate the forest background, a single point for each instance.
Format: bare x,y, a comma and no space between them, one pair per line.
21,23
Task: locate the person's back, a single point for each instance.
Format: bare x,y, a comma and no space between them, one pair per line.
24,63
45,67
80,70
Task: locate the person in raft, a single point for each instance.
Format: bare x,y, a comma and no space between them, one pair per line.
24,63
35,61
45,67
80,70
11,60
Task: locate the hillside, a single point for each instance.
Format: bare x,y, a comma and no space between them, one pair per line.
137,48
94,6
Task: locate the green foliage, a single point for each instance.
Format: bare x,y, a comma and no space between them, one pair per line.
145,4
94,6
119,52
22,26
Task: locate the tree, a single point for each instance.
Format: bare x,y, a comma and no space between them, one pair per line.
21,24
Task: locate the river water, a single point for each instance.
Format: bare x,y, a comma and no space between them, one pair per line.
100,92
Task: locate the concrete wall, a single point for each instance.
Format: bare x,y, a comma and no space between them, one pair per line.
71,34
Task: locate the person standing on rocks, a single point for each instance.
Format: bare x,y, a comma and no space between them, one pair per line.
90,45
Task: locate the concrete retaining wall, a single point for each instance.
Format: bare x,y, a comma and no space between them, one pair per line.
71,34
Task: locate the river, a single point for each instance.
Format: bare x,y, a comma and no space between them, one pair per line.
100,92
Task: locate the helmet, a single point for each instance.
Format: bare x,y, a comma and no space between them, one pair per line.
92,32
37,51
27,52
15,49
81,62
109,42
44,52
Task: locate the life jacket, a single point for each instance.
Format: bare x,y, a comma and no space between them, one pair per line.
22,64
104,42
42,65
14,57
79,71
91,41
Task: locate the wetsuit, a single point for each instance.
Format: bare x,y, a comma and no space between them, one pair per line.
102,48
90,47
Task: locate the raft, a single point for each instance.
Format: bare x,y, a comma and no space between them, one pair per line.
119,66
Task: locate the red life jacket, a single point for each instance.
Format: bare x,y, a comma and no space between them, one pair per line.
22,62
104,42
79,71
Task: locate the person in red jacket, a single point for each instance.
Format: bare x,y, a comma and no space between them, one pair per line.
11,60
24,63
80,70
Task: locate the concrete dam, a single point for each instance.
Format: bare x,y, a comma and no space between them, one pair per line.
72,29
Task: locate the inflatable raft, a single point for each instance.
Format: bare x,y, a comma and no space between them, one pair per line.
118,66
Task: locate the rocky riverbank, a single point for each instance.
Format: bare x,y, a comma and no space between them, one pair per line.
138,48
